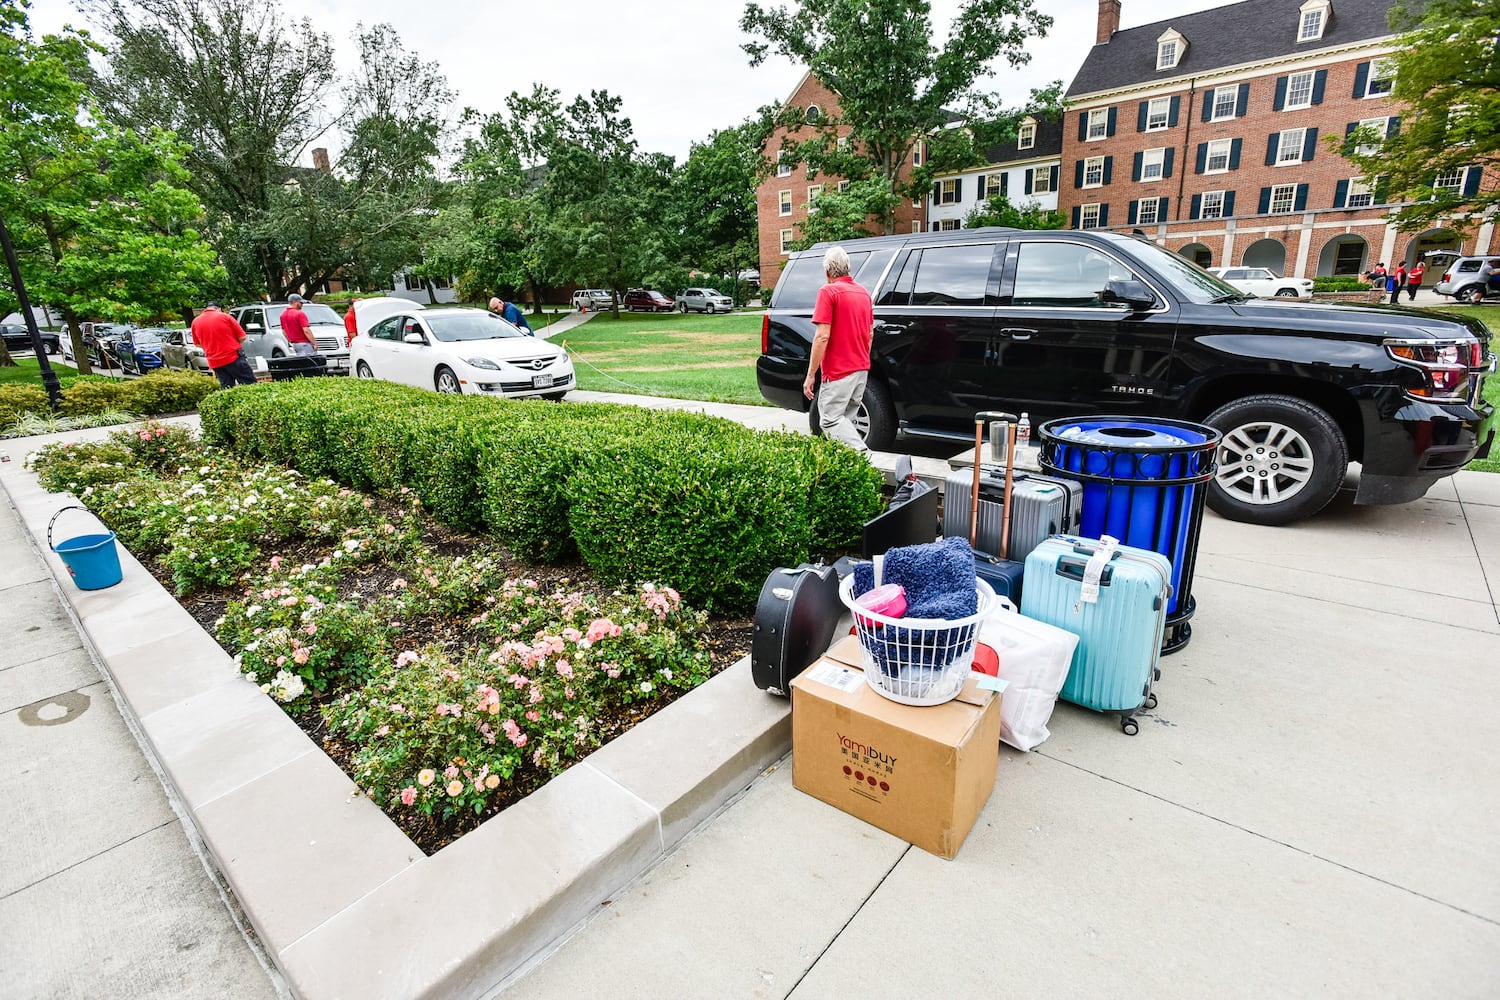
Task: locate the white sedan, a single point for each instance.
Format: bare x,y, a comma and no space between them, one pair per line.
460,350
1264,282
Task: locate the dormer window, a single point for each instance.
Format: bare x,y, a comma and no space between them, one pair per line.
1312,20
1170,48
814,112
1026,135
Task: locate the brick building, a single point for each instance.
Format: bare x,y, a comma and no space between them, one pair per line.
1208,132
782,200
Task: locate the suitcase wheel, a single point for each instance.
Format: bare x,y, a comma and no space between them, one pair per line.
1129,726
1150,701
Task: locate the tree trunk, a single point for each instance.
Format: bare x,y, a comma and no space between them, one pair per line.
431,287
6,361
75,334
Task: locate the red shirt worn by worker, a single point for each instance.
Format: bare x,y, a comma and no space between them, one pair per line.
349,326
846,307
296,326
219,335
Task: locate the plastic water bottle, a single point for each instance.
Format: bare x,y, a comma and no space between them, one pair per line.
1023,431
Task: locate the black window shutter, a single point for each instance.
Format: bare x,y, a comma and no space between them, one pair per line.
1135,167
1161,210
1140,116
1083,126
1341,194
1382,189
1228,209
1208,104
1056,176
1197,206
1202,158
1004,183
958,190
1349,137
1301,200
1393,126
1078,173
1109,168
1103,216
1471,180
1132,214
1166,162
1113,116
1172,114
1320,83
1265,200
981,190
1279,101
1273,146
1028,180
1309,145
937,191
1234,153
1242,101
1361,79
1076,211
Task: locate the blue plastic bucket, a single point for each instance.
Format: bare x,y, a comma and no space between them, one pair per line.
92,560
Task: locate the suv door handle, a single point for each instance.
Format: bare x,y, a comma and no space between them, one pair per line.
889,328
1017,332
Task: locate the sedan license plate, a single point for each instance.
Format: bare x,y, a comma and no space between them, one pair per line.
541,381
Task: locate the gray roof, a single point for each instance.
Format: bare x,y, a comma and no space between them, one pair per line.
1049,140
1241,33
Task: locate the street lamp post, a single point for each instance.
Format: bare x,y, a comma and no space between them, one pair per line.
49,377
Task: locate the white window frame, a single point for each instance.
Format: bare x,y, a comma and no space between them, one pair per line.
916,154
1359,188
843,144
1442,182
1140,211
1084,212
1294,84
1288,153
1285,195
1026,136
948,225
947,192
1158,120
1226,147
1098,117
1093,166
787,235
812,193
783,168
916,225
1382,71
1233,93
1381,126
843,186
991,186
1168,53
1041,180
813,113
1310,26
1211,205
1153,158
785,202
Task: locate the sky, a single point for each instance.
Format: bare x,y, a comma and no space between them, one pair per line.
677,65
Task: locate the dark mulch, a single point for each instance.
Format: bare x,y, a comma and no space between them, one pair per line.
728,640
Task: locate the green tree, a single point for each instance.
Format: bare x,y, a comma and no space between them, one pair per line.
1447,85
842,215
713,200
895,89
101,217
998,211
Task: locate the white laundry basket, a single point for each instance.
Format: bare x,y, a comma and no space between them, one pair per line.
917,661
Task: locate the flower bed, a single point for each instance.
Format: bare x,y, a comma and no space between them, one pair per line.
447,678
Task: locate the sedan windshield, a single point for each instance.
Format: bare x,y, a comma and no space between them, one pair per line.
1188,279
470,325
146,339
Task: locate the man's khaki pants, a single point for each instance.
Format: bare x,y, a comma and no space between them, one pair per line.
838,402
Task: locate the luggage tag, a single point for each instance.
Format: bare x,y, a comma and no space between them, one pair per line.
1093,571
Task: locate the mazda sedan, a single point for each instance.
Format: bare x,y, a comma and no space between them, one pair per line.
463,351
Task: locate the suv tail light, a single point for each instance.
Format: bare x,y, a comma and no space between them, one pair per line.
765,333
1447,275
1446,365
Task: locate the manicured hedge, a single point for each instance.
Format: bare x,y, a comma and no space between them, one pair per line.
699,502
148,396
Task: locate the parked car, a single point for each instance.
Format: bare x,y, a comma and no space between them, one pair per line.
646,300
180,352
139,351
99,343
462,351
1071,323
1264,282
708,300
1461,279
593,298
264,339
18,338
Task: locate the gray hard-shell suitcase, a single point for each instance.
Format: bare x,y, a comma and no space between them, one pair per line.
1042,506
795,619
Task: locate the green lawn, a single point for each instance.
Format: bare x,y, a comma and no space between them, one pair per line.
28,371
669,354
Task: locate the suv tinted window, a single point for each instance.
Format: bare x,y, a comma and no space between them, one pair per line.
952,276
799,284
1063,274
1467,266
252,317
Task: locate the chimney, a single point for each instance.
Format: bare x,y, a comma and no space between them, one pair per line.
320,155
1109,21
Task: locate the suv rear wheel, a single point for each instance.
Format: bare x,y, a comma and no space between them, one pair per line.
875,421
1281,460
1474,294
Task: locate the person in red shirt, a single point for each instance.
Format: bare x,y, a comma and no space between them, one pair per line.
843,320
1414,280
349,325
221,338
1398,282
297,328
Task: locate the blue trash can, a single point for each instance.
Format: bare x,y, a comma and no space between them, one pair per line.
1143,483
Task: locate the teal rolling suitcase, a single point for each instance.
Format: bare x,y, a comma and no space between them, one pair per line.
1119,631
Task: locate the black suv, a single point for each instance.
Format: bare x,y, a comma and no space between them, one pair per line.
18,338
1071,323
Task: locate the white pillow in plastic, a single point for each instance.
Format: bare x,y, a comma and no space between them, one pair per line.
1034,661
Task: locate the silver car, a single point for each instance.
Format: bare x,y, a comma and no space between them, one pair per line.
264,339
705,300
179,351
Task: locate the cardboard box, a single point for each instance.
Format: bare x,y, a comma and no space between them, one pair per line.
922,774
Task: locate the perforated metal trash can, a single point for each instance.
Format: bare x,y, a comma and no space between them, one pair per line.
1144,482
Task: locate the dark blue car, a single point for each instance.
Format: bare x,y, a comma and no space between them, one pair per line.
139,351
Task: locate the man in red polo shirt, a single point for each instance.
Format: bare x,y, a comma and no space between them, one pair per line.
220,336
297,327
843,318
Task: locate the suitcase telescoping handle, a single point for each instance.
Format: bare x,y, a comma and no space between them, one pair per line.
982,418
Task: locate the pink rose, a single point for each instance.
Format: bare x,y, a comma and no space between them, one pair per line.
408,795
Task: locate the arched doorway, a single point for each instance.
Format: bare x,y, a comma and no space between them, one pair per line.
1198,254
1425,243
1266,253
1344,256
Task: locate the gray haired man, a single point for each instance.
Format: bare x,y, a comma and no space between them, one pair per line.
843,320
